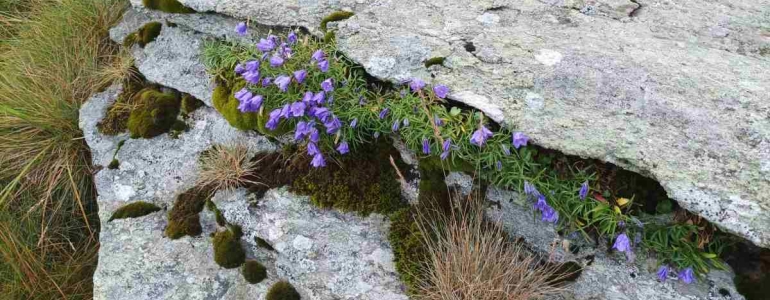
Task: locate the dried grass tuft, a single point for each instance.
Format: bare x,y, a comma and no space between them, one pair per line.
226,167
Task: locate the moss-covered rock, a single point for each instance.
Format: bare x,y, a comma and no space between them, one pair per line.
184,217
189,104
334,17
114,164
134,210
363,182
228,252
169,6
409,250
144,35
262,243
253,271
282,290
116,119
155,114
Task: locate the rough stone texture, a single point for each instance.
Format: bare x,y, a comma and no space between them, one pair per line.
611,277
326,255
673,89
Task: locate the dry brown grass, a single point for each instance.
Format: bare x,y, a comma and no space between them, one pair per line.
471,258
226,167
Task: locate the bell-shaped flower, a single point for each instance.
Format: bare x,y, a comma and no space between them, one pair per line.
239,69
319,98
283,82
300,76
292,37
266,81
687,275
308,97
519,139
384,112
318,161
318,55
662,273
583,190
354,123
243,95
332,125
251,77
266,45
441,91
343,148
241,28
251,105
298,109
323,65
312,149
480,136
252,65
622,243
425,146
327,85
276,61
274,119
416,84
286,111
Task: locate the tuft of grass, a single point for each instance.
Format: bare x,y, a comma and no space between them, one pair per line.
56,55
470,258
226,167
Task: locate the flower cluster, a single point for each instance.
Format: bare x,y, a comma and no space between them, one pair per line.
310,112
665,272
547,212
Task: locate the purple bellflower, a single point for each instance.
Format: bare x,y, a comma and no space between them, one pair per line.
314,136
354,123
283,82
266,45
275,117
425,146
384,112
318,161
687,275
298,109
239,69
499,165
300,76
343,148
276,61
438,121
318,55
320,113
266,81
292,37
395,125
241,28
323,65
583,190
251,77
333,125
301,130
441,91
308,97
243,95
327,85
550,215
519,139
416,84
312,149
406,122
251,105
622,243
662,273
480,136
319,97
285,111
252,66
506,150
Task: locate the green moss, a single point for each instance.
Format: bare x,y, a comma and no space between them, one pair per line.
184,218
434,61
189,104
253,271
116,119
228,252
329,37
236,229
144,35
134,210
764,51
221,221
334,17
225,102
169,6
114,164
433,188
155,114
363,181
282,290
409,251
263,243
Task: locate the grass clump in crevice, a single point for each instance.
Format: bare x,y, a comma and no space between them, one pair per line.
282,290
184,216
169,6
253,271
228,251
53,56
144,35
134,210
226,167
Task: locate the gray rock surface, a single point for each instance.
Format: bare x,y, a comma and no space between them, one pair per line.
673,89
324,254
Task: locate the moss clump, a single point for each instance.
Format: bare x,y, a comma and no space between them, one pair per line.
225,102
409,251
228,252
334,17
363,181
134,210
253,271
263,243
114,164
282,290
116,119
184,218
329,37
155,114
169,6
434,61
189,104
221,221
144,35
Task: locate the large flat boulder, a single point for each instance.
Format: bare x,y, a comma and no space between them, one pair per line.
675,90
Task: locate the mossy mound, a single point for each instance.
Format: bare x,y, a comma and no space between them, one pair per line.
262,243
144,35
189,104
434,61
409,250
114,164
116,119
253,271
184,218
363,182
228,252
282,290
169,6
134,210
155,114
334,17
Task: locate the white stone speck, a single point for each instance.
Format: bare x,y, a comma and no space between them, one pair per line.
548,57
